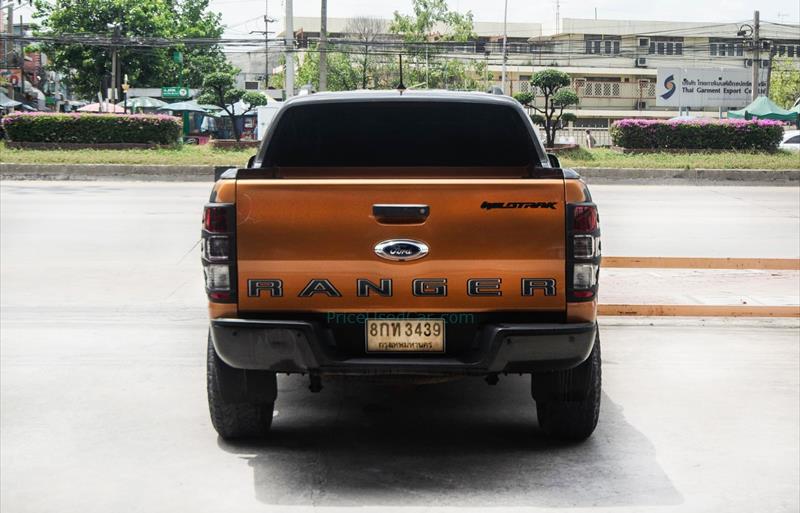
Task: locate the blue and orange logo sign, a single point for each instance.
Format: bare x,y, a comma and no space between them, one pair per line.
669,85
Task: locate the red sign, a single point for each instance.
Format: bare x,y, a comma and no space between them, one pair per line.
11,75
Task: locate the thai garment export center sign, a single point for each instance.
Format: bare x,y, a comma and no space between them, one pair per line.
706,87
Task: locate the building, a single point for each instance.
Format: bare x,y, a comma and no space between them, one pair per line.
307,29
613,63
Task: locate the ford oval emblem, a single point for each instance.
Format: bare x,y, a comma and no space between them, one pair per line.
401,250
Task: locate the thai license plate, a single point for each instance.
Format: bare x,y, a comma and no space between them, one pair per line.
405,335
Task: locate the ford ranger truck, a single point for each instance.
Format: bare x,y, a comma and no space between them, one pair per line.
410,236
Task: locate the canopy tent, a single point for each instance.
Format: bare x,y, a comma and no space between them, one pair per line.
7,103
144,102
104,107
240,108
187,106
763,108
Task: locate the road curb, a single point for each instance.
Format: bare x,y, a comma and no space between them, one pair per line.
203,173
138,172
737,176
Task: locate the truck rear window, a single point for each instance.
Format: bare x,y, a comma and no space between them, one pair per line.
400,134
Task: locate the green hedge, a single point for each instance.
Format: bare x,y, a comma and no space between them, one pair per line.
697,134
86,128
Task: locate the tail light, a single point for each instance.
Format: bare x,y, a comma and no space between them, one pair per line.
583,251
218,252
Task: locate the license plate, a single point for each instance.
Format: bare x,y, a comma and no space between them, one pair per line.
405,335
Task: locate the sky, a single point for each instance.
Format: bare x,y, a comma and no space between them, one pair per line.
242,16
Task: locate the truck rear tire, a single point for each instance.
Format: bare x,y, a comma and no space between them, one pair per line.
236,417
568,402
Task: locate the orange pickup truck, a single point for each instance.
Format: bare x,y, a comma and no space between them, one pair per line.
415,235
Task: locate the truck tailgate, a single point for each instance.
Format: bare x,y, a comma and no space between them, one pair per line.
300,230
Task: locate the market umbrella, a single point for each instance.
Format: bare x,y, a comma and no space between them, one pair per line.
105,107
144,102
239,108
7,103
187,106
763,108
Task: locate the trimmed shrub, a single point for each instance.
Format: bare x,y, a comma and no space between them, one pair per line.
89,128
701,134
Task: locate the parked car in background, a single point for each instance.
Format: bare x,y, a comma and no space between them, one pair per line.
791,141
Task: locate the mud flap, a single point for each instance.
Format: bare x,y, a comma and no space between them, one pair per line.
566,385
245,386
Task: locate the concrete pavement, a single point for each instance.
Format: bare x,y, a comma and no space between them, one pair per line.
102,400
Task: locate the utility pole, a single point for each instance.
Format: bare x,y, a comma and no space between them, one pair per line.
756,54
323,44
288,41
9,45
558,16
115,83
266,32
505,37
266,44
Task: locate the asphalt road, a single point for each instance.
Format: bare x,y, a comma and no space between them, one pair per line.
102,400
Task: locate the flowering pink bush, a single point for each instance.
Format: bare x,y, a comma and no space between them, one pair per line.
726,134
92,128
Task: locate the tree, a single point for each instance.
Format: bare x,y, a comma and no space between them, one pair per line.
85,66
366,30
219,89
784,86
433,21
526,99
430,15
342,76
553,86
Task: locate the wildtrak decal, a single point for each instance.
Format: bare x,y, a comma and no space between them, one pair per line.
486,205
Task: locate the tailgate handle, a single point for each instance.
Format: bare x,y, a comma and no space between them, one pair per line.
389,213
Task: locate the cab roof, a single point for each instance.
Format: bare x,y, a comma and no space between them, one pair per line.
421,95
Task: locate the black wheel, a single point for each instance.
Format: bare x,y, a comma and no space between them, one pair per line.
568,402
233,413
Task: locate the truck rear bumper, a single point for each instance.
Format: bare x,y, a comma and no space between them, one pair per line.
299,346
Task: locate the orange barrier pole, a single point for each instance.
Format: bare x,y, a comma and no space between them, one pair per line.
699,310
776,264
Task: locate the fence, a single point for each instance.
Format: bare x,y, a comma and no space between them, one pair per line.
575,135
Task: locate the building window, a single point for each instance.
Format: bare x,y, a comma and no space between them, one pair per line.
725,48
666,46
599,44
